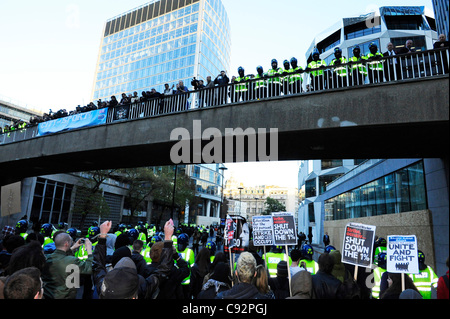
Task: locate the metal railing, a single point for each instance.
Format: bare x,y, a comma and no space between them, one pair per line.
358,73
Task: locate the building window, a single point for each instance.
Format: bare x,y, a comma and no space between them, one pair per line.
328,163
51,202
398,192
419,42
330,42
324,180
311,215
406,23
310,188
359,30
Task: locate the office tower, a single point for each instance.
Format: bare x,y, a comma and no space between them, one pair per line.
160,42
441,13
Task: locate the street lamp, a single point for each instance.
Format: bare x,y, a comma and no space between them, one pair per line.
240,199
223,168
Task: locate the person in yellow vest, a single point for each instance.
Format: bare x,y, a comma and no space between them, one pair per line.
146,251
380,247
92,234
272,259
212,249
307,260
375,64
340,71
21,228
285,79
377,274
240,86
274,82
188,255
46,231
295,77
140,227
426,280
121,229
260,83
317,72
359,70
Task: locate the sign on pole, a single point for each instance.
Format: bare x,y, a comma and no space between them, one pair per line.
284,229
262,230
401,252
10,199
358,244
237,234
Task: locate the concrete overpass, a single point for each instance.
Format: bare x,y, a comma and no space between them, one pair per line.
406,119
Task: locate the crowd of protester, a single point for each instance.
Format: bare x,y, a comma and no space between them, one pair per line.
125,262
277,80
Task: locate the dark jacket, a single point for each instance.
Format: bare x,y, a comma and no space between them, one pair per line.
140,262
55,274
301,285
196,282
326,286
212,288
221,80
241,291
171,288
404,50
280,287
148,287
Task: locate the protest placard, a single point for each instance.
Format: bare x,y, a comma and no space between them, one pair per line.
401,254
358,244
284,229
237,234
262,230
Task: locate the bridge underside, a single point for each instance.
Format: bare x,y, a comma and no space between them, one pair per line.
395,120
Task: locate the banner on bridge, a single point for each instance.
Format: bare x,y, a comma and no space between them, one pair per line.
86,119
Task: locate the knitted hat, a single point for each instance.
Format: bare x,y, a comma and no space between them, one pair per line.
221,272
8,230
118,254
122,282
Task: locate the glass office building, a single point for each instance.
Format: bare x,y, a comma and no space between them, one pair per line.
394,24
442,16
160,42
397,192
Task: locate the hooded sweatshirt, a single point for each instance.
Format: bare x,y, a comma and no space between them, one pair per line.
338,268
301,285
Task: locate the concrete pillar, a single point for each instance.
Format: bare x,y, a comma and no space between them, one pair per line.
208,208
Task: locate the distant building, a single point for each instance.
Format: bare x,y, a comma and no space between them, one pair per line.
387,24
254,197
398,196
442,19
160,42
10,112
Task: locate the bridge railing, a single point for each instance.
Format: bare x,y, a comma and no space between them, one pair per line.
358,73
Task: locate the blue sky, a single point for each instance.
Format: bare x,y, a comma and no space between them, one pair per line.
49,48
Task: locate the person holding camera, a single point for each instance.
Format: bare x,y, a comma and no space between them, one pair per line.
55,275
183,99
221,81
198,85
